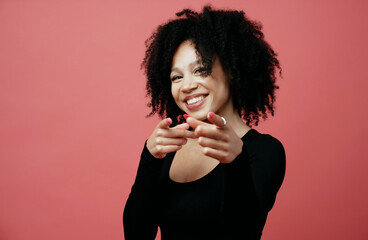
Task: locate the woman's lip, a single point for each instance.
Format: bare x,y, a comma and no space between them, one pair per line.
197,104
194,96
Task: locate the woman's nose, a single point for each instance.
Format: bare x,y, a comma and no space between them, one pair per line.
189,84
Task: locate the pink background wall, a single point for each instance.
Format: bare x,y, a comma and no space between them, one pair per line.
72,114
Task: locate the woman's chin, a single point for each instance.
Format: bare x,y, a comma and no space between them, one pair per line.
199,116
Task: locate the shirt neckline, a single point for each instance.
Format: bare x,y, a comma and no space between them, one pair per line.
246,136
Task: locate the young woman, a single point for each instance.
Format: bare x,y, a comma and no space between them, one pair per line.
204,172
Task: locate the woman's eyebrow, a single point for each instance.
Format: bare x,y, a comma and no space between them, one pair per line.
191,65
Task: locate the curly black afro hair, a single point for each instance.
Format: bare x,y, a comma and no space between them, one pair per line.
236,40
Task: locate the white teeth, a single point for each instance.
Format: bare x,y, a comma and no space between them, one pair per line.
194,100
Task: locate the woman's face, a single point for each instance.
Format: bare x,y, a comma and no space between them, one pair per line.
195,94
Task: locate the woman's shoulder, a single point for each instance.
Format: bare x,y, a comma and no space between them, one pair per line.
254,137
263,145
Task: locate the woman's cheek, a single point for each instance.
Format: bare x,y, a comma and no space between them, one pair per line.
175,94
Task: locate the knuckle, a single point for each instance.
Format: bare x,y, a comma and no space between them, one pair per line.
224,147
226,138
159,132
223,158
159,149
158,140
199,129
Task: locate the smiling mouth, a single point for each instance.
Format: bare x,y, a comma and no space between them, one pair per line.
195,100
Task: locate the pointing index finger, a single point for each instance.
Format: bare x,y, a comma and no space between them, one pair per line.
193,123
216,119
182,126
165,123
181,130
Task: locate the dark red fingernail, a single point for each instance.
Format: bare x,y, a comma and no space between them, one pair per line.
211,115
186,116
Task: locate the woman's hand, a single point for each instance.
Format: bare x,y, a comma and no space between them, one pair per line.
218,140
164,139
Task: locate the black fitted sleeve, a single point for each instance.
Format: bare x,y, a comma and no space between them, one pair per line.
268,162
139,217
252,181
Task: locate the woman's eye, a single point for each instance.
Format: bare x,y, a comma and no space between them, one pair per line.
199,70
175,78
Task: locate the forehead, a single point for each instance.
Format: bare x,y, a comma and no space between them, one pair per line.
185,54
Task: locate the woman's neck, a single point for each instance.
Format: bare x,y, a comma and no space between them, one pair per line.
236,122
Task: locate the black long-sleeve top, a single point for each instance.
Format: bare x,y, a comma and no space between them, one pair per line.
230,202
